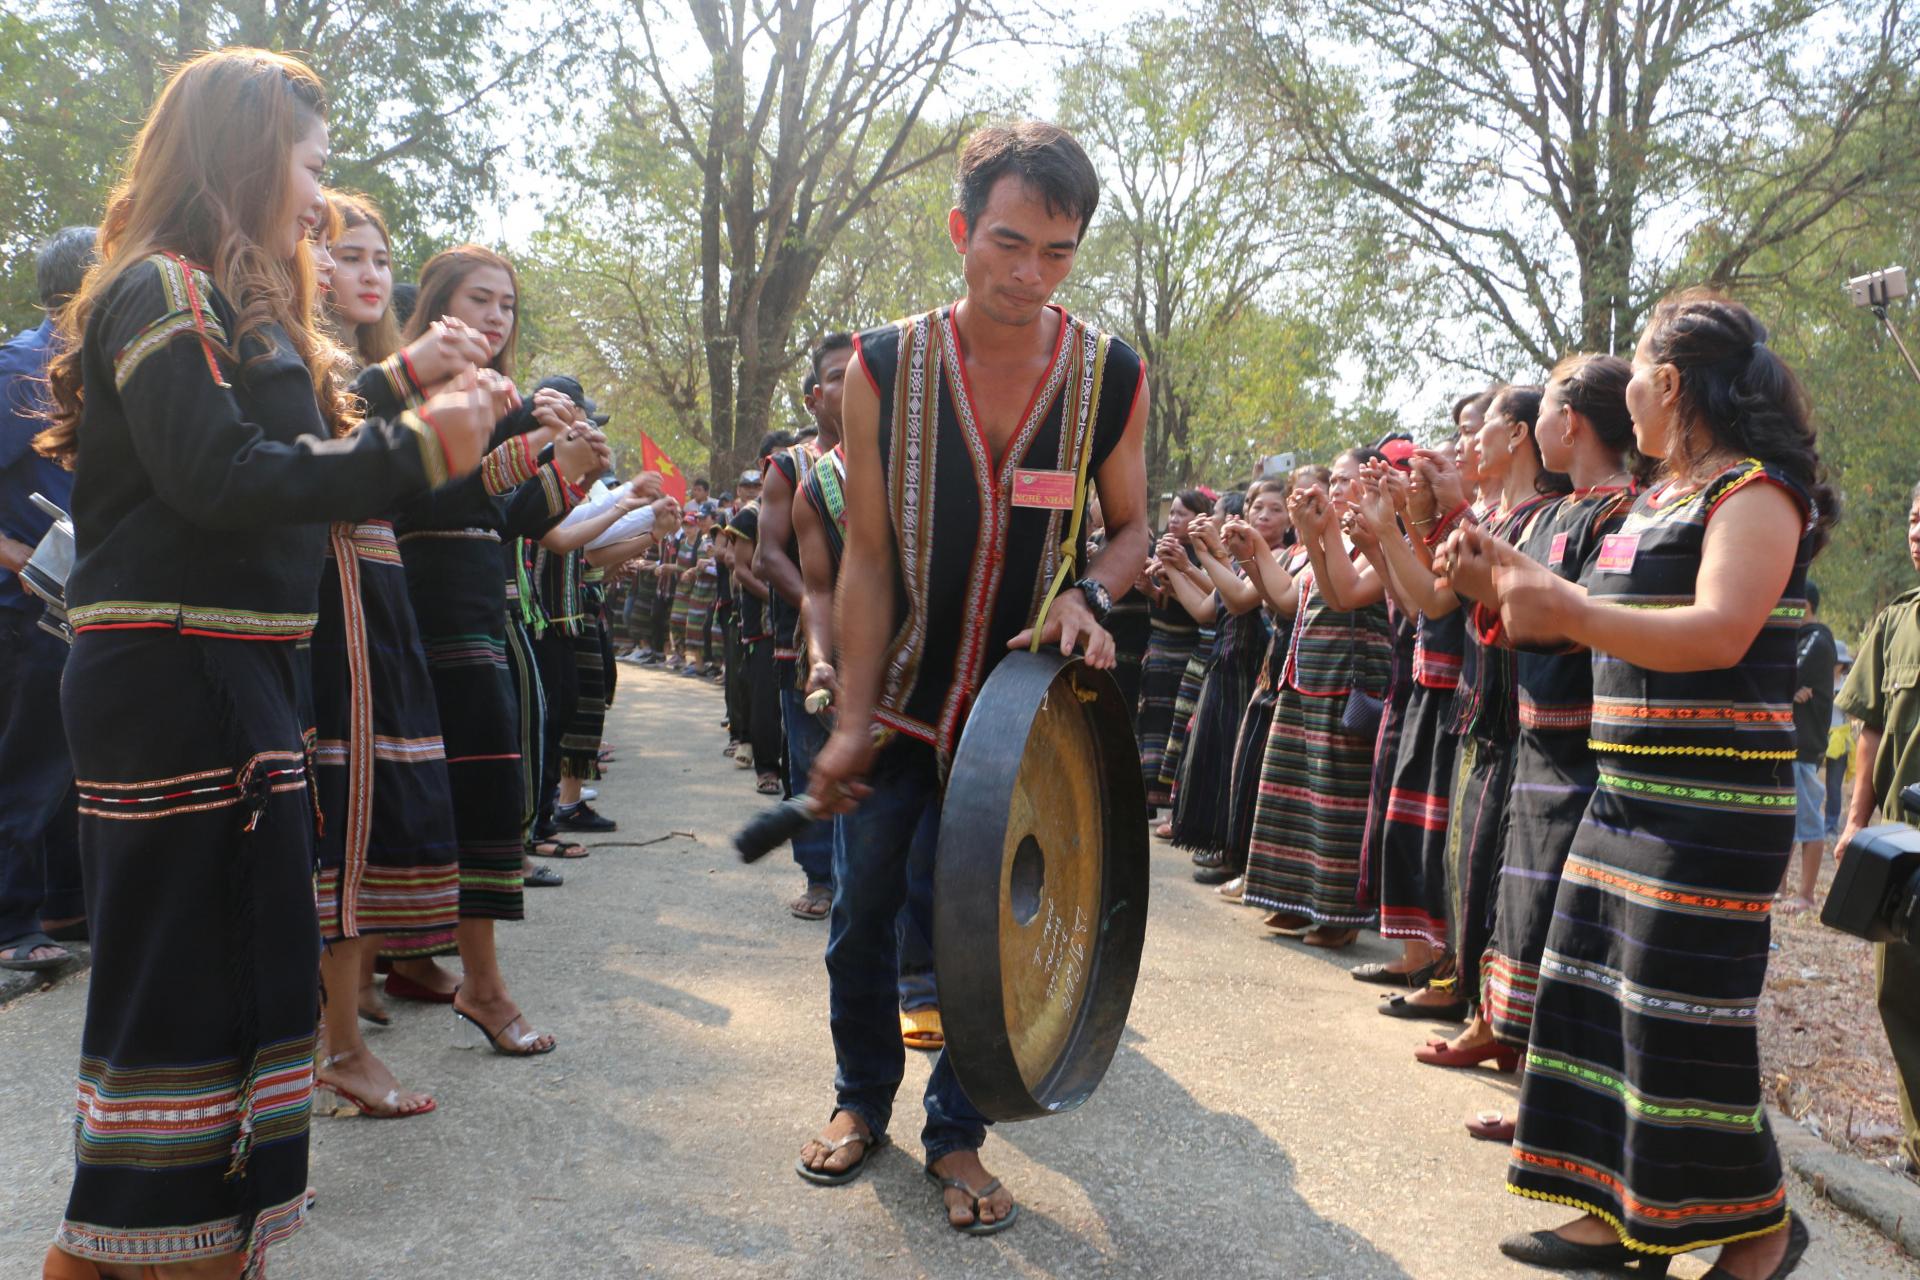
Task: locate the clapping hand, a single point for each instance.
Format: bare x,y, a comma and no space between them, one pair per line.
1309,508
1437,488
1535,604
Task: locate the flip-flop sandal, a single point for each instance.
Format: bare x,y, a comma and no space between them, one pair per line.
921,1029
557,849
25,946
1401,1007
1491,1126
976,1227
814,904
378,1017
824,1178
542,878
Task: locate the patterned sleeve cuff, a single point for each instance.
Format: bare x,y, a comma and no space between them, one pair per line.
562,496
432,445
509,467
401,380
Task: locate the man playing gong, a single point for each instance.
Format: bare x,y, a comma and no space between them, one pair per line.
967,432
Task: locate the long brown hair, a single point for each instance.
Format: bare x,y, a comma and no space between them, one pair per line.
374,342
206,178
442,277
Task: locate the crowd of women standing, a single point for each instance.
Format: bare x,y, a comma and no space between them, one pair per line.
1522,700
336,653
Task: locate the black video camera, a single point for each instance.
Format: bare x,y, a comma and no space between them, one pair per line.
1876,891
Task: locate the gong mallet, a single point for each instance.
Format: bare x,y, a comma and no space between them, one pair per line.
771,828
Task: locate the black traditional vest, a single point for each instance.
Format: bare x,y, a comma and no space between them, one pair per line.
978,537
825,486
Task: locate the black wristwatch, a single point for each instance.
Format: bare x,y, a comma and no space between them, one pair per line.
1098,601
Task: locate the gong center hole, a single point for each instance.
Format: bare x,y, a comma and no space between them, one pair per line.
1028,883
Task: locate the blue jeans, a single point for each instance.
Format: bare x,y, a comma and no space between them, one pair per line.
912,928
871,854
812,848
39,858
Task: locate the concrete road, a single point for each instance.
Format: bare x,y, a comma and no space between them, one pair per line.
1260,1119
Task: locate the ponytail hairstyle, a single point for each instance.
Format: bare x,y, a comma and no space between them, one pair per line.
374,342
1595,387
206,178
442,277
1522,405
1737,394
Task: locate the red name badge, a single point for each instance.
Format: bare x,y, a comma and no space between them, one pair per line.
1047,490
1558,552
1617,551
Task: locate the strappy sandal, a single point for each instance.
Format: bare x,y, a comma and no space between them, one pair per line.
828,1178
521,1044
767,785
542,878
389,1107
814,904
922,1029
557,849
976,1227
25,945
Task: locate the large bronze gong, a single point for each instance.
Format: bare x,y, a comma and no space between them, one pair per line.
1040,886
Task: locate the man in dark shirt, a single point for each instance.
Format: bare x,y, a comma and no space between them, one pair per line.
1812,723
39,869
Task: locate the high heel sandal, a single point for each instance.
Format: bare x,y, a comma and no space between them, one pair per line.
1549,1249
389,1107
525,1046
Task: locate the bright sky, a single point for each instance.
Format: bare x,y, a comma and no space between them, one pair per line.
1028,68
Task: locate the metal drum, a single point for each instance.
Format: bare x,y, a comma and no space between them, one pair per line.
1040,886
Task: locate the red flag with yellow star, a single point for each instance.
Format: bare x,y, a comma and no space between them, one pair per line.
654,458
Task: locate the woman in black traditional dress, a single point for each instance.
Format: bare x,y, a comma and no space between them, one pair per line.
197,402
1419,789
1642,1103
1584,433
1174,636
451,547
386,862
1203,815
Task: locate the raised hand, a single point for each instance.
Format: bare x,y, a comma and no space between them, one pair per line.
576,454
1437,487
461,416
498,385
648,485
1309,508
446,349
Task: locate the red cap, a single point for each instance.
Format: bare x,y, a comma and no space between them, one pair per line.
1398,452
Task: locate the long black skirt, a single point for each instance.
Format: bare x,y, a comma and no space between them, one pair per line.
1160,677
1186,703
459,597
586,722
1131,624
1553,779
196,841
388,860
1473,852
1203,800
1413,840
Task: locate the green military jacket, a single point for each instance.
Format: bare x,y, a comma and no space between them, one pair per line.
1883,692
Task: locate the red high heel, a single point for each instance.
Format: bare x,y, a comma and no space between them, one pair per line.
1435,1053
